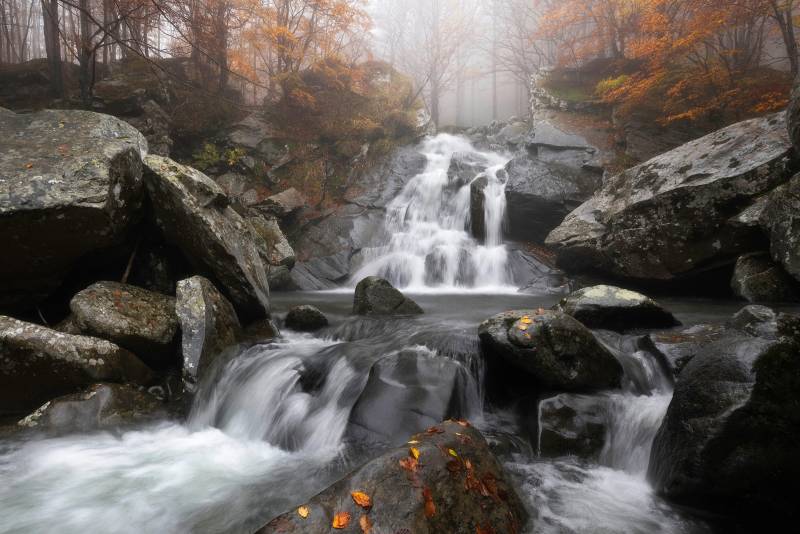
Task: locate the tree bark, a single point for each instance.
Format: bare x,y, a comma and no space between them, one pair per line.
52,40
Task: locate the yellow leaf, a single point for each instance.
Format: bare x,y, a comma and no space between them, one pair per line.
523,327
341,520
452,453
414,452
362,499
303,511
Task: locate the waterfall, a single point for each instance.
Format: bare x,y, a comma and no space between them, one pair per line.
427,226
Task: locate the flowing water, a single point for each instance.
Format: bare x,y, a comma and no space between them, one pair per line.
268,429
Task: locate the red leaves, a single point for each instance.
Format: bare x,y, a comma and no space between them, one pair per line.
430,506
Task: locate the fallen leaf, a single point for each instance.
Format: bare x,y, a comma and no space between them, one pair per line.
414,452
468,465
29,165
463,423
362,499
341,520
365,524
480,530
452,453
434,430
303,511
523,327
430,506
413,442
409,464
526,320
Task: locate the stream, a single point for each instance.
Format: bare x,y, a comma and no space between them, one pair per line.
258,441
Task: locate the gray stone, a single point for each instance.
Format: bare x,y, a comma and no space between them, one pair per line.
756,278
667,219
376,296
37,364
99,407
141,321
208,326
556,350
275,249
70,184
614,308
282,204
456,492
758,321
193,212
781,219
572,424
305,318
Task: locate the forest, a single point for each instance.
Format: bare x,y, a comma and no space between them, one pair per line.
399,266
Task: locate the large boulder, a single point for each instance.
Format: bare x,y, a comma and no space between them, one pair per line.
758,321
781,219
70,184
193,212
99,407
376,296
208,326
136,319
407,392
275,249
667,220
555,349
37,364
614,308
729,438
572,424
305,318
675,349
756,278
445,480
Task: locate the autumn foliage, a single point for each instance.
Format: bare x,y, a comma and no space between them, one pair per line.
680,60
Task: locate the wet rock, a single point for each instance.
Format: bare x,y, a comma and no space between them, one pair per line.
193,212
37,364
283,204
539,195
614,308
781,219
555,349
99,407
676,349
464,168
275,248
141,321
280,278
533,275
209,325
668,219
756,278
407,392
793,116
376,296
572,425
305,318
477,207
459,492
758,321
71,184
729,438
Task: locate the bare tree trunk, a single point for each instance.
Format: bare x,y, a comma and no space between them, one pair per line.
52,40
85,54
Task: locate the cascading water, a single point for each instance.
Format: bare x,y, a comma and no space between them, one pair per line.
429,245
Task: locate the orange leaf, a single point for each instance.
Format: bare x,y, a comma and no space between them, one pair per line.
365,524
341,520
29,165
362,499
430,506
303,511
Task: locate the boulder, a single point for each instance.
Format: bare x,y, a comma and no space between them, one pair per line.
208,326
557,351
667,220
70,184
677,349
477,208
464,168
305,318
534,273
37,364
407,392
280,278
256,138
781,220
273,245
572,425
758,321
193,212
99,407
756,278
614,308
729,438
138,320
539,195
376,296
446,481
282,204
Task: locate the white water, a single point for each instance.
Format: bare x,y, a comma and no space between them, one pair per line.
429,245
